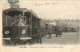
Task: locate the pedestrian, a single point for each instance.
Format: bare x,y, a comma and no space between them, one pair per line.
50,36
39,36
57,32
50,33
60,32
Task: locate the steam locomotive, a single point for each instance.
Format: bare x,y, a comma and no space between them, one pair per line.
20,25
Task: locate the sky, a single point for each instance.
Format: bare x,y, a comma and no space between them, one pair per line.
51,9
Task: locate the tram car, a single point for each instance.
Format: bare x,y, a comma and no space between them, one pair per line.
20,25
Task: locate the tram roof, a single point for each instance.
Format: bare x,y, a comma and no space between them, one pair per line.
33,13
16,11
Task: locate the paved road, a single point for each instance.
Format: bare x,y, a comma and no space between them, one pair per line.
66,38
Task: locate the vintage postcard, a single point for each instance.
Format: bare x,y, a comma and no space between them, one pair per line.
40,25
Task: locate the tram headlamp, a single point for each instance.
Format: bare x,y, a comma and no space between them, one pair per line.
23,31
6,32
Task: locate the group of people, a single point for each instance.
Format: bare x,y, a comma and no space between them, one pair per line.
56,30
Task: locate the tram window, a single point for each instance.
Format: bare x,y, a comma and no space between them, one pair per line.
24,18
28,15
27,20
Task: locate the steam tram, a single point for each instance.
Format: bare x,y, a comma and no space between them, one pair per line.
20,25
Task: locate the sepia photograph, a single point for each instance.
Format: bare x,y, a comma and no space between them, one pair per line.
40,22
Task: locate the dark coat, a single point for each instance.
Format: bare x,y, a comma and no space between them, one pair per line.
57,31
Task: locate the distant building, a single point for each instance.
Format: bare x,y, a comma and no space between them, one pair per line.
67,23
